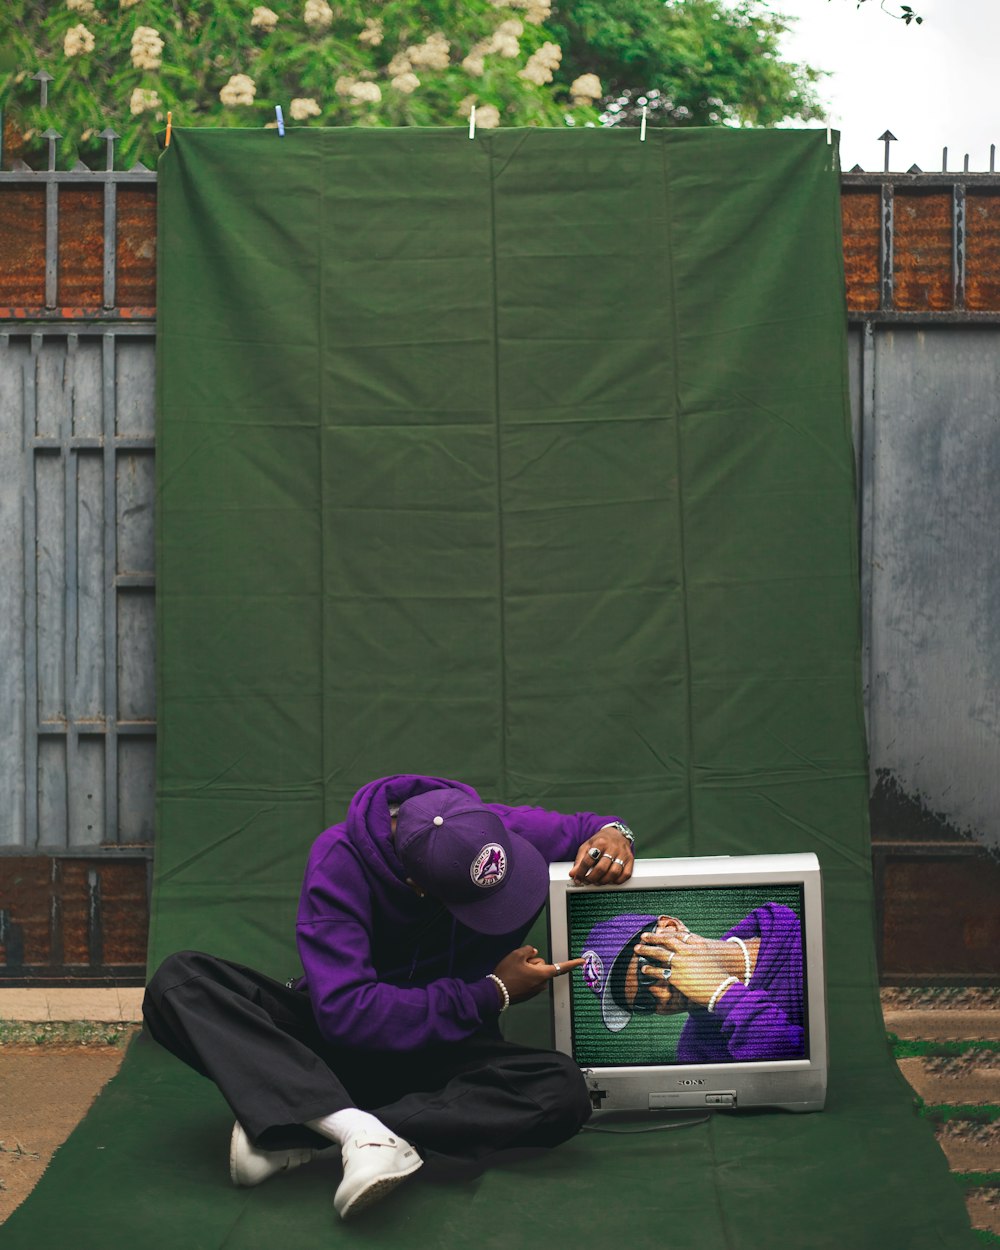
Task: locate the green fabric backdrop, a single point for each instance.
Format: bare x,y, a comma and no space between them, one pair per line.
524,460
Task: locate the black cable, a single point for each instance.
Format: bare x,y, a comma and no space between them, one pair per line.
654,1128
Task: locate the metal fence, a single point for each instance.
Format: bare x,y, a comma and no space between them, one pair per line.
77,668
77,642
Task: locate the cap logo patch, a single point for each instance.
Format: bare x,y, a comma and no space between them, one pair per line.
592,971
490,866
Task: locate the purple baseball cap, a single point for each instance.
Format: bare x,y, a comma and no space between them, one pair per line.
489,878
608,950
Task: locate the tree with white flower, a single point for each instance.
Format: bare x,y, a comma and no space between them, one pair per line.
126,63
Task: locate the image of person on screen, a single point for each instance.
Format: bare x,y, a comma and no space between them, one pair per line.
411,928
742,992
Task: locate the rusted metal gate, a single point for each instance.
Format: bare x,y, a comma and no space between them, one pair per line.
77,296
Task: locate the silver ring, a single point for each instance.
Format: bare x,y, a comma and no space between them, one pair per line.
611,857
619,861
558,969
670,959
665,973
595,853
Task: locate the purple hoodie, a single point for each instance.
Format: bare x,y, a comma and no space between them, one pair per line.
763,1020
386,969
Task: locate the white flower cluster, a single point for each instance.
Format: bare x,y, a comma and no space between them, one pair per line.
488,116
86,7
535,11
78,40
431,54
146,48
304,107
503,42
358,92
541,64
318,15
372,35
406,83
586,89
264,19
400,64
240,89
366,92
142,101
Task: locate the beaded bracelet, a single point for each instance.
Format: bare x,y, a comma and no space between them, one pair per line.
746,956
720,989
503,990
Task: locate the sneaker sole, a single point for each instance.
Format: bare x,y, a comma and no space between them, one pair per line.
378,1187
233,1168
241,1180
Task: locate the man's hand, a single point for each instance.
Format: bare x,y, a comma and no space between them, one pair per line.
697,966
611,865
526,974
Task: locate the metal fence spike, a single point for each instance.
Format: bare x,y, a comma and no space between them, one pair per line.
993,158
109,135
887,138
944,160
43,78
914,169
51,135
856,170
81,168
19,166
139,168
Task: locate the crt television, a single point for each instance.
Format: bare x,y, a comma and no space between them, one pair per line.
746,934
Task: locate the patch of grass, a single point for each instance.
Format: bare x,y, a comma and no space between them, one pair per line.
908,1048
977,1180
977,1113
67,1033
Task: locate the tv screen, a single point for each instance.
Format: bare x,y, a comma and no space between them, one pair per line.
622,1009
702,983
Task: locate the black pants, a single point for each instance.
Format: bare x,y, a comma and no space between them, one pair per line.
458,1102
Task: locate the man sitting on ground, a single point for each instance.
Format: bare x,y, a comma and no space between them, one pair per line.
410,931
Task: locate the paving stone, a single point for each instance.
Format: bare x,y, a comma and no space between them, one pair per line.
942,1026
966,1079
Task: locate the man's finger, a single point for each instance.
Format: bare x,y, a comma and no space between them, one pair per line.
564,966
587,858
656,953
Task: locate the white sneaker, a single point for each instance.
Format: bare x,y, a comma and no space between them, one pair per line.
250,1166
374,1164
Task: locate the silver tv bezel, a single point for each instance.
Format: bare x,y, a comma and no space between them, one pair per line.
790,1084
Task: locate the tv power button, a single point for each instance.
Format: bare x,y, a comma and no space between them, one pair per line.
720,1100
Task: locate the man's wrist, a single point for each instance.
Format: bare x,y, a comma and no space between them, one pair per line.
501,990
623,829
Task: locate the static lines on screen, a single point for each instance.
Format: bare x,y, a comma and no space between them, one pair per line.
625,1011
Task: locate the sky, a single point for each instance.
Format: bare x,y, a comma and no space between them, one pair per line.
933,85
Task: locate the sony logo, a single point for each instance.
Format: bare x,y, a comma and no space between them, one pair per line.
691,1080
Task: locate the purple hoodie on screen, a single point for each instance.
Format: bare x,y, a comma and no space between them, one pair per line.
763,1020
386,969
